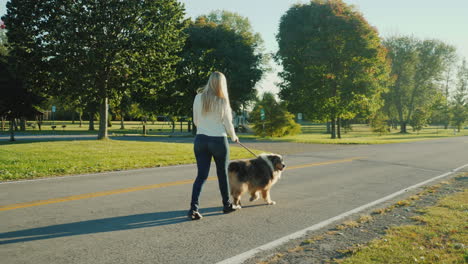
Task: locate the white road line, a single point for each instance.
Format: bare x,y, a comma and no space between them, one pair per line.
248,254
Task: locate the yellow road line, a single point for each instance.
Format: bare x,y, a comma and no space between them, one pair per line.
141,188
92,195
323,163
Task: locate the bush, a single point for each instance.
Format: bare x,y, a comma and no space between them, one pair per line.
277,121
379,123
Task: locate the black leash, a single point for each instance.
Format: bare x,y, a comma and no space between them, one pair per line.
247,149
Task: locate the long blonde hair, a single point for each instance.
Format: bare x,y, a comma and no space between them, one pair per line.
215,96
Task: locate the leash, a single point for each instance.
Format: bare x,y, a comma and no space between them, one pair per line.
247,149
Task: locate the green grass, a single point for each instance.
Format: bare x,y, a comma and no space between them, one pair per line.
25,160
311,133
131,127
362,134
442,237
43,159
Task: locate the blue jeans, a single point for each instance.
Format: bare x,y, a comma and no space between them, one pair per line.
206,148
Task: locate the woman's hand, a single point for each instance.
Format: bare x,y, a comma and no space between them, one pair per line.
235,139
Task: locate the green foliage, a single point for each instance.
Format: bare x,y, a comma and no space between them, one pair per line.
215,46
334,65
419,119
96,49
277,122
16,101
440,111
460,100
417,66
3,43
379,123
239,24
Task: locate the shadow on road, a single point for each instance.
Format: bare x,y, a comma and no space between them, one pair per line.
103,225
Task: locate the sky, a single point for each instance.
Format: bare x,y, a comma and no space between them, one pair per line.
424,19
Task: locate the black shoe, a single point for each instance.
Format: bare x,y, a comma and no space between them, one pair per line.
194,215
229,209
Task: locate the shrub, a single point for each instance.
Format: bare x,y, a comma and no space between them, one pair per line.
277,122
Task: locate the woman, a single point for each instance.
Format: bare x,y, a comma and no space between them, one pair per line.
212,115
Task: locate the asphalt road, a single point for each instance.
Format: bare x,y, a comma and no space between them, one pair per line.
139,216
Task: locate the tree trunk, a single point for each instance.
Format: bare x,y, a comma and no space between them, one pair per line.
15,124
80,115
333,128
103,117
328,128
91,121
122,125
3,123
12,130
403,128
73,117
339,127
23,124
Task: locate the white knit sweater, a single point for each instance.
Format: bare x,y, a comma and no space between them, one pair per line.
212,124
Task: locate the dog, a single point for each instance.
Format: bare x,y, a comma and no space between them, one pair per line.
255,175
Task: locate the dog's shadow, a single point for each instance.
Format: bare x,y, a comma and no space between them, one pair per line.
103,225
251,205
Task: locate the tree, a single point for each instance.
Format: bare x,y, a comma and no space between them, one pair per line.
91,48
3,56
276,120
417,66
440,111
419,119
379,123
449,62
334,65
15,101
3,40
243,82
211,47
460,99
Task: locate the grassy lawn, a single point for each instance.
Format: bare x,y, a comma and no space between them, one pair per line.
131,127
26,160
311,133
23,160
441,238
362,134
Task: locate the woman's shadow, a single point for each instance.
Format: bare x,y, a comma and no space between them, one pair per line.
103,225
